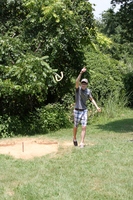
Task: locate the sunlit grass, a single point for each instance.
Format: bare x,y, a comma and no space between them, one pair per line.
102,170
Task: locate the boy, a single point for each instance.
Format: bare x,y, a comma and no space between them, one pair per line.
81,112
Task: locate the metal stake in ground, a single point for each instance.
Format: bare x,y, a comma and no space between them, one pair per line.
22,146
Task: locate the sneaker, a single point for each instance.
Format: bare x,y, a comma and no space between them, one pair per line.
82,145
75,142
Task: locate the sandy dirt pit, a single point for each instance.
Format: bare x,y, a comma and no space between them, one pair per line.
28,148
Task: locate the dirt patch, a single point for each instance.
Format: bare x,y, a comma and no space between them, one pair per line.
28,148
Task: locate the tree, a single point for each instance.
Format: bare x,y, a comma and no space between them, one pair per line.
37,39
60,29
111,26
124,15
24,76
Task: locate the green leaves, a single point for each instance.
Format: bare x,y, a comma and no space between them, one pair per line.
65,24
37,39
105,75
32,74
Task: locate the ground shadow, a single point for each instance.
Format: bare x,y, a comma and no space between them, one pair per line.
119,126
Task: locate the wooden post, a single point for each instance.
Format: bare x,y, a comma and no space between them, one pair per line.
22,146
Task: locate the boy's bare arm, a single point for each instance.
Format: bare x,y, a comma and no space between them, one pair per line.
79,77
95,104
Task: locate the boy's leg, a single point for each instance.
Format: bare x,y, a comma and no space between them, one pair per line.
83,133
75,128
75,133
74,136
84,123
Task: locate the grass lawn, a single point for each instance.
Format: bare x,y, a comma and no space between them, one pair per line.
103,170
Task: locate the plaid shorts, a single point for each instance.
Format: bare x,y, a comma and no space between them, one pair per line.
80,116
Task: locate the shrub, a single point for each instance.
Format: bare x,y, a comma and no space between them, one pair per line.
5,130
52,117
46,119
128,82
105,76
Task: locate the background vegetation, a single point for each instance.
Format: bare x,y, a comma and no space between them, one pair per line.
41,38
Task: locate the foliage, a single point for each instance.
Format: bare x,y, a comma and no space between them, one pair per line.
44,120
37,39
4,127
61,29
103,40
103,43
113,105
52,117
128,82
124,16
108,23
111,26
105,75
25,76
24,84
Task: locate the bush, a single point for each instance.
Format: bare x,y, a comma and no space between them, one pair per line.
46,119
128,81
105,76
52,117
9,125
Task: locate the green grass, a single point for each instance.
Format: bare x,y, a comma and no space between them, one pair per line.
103,170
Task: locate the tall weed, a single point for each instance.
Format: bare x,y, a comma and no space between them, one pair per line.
114,105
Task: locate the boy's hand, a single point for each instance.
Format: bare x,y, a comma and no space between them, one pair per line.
83,70
99,109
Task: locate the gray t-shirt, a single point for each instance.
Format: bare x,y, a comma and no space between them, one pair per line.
81,96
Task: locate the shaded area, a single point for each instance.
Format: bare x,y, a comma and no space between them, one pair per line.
119,126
